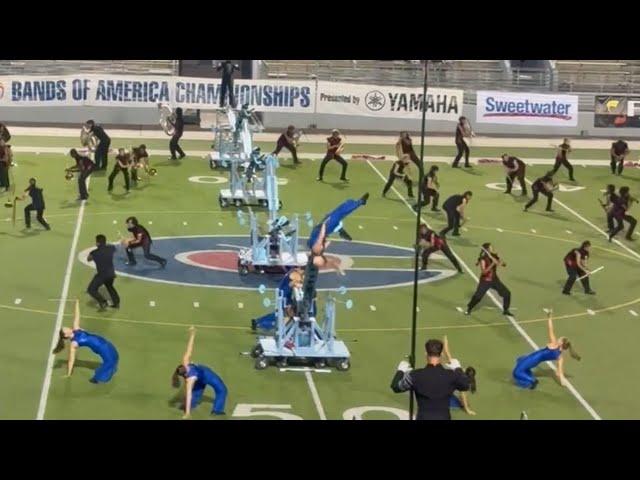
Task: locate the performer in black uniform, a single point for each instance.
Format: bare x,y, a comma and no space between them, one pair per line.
619,212
430,242
404,146
287,140
85,167
123,163
334,148
488,262
454,207
141,239
228,70
619,151
610,200
545,186
178,130
105,275
564,149
399,170
575,263
463,134
515,168
37,204
430,186
101,155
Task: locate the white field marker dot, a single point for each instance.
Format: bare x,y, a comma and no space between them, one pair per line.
240,305
152,303
418,309
184,223
372,308
460,309
465,229
569,232
633,312
591,312
395,228
17,301
500,230
150,222
360,227
115,222
545,310
196,304
219,224
37,153
533,230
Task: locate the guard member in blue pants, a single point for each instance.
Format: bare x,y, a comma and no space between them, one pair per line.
333,220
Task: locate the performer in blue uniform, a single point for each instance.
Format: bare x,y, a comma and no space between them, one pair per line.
333,220
553,351
98,345
196,378
268,322
452,364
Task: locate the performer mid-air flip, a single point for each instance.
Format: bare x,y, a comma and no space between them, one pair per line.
333,220
522,374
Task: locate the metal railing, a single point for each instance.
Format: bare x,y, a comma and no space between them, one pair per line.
67,67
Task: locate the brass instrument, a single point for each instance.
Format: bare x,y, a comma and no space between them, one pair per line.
88,139
167,119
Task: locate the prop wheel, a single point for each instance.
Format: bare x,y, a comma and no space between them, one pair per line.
256,351
212,164
243,270
223,202
281,362
343,364
280,205
320,363
237,202
261,363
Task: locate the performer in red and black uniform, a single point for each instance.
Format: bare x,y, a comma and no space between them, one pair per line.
286,140
430,242
463,131
610,199
85,167
140,158
489,261
334,147
399,170
123,162
5,136
515,168
404,146
621,206
564,149
619,151
576,264
141,239
430,188
545,186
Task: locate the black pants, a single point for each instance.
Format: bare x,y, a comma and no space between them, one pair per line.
453,222
565,163
101,155
97,281
4,176
337,158
574,273
39,216
227,88
536,192
392,178
620,225
291,148
146,248
511,177
427,195
463,149
117,169
616,163
484,286
175,148
82,183
426,253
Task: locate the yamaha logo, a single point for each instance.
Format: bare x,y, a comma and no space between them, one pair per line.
375,100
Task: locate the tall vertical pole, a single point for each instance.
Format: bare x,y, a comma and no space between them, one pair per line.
414,316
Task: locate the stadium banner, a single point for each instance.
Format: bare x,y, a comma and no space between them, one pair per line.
148,91
617,111
387,101
521,108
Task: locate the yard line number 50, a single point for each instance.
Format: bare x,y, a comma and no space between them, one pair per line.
246,410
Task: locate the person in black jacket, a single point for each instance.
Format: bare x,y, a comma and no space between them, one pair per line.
432,385
106,274
37,204
101,154
228,70
178,130
141,239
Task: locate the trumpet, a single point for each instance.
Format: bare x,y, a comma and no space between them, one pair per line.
88,139
167,119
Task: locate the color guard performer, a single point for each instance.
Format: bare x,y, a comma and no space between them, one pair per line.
287,140
545,186
463,135
85,167
515,168
123,163
575,263
489,262
399,170
404,146
430,242
335,146
619,151
619,212
563,150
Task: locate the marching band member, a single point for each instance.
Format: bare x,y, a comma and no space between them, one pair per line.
178,130
489,262
545,186
454,207
463,133
575,263
6,160
123,163
610,199
140,159
228,68
452,364
515,168
430,242
287,140
619,212
5,136
101,155
141,239
335,145
196,378
430,186
85,167
563,150
37,204
404,146
619,151
399,170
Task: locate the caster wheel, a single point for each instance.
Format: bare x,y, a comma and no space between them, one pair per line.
243,270
223,202
280,205
343,364
261,363
256,351
212,165
238,202
281,363
320,363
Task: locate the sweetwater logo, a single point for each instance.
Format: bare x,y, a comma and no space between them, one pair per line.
527,108
212,261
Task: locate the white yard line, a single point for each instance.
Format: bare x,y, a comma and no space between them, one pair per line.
314,394
520,330
44,393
